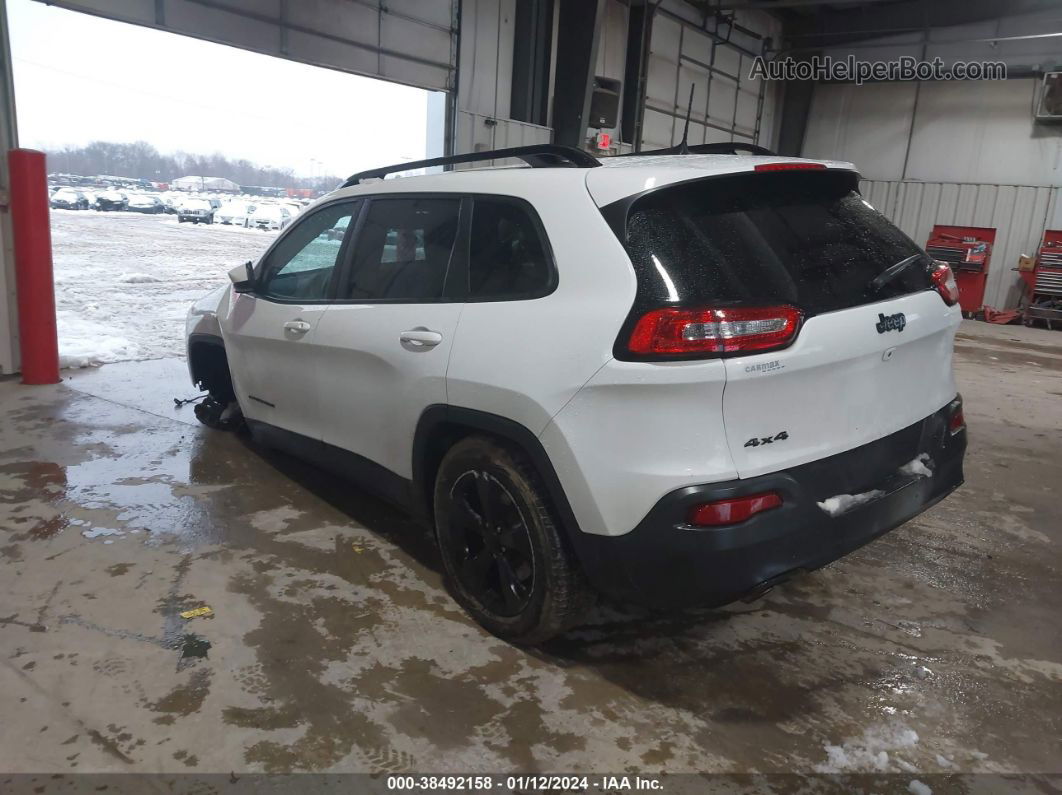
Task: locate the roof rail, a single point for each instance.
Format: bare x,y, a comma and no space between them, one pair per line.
536,156
725,148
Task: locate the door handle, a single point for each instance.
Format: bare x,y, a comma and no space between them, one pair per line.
420,338
297,326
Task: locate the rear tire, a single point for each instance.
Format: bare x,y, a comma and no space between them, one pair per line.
505,560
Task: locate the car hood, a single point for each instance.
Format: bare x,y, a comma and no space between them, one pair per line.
209,303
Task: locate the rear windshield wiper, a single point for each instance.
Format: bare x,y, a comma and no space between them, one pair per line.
893,271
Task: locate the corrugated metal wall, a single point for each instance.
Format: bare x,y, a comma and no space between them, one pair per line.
969,132
478,132
1019,214
484,94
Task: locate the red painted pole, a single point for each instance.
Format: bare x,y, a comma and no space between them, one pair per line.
38,341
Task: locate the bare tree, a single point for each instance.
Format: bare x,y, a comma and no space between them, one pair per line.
141,160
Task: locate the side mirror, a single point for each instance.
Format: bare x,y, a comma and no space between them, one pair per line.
242,278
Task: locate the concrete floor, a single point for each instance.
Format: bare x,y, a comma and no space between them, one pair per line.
334,647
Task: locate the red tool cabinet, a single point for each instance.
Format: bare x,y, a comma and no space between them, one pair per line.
968,250
1045,283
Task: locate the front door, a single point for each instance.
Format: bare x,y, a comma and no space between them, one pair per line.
271,335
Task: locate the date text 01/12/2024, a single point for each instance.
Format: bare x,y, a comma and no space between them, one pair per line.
530,783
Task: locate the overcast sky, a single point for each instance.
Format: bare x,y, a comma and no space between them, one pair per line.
79,78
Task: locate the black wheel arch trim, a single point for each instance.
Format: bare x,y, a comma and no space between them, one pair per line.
438,415
200,338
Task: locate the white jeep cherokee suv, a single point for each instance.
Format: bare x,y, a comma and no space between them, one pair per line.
678,379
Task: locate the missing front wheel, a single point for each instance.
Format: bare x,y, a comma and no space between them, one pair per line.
224,416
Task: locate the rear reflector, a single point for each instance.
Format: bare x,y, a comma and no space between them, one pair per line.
944,282
789,167
713,331
732,511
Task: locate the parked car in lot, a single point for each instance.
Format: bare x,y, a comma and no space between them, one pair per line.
271,216
112,200
234,213
196,211
68,199
673,379
172,202
145,203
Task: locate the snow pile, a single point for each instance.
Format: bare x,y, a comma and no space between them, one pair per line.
870,752
138,278
84,343
97,532
124,281
921,466
843,503
916,787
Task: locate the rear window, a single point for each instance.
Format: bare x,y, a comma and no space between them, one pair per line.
807,239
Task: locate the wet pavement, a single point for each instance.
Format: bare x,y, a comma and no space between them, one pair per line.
332,645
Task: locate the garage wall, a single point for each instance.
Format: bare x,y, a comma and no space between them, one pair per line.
966,153
688,47
1019,213
953,152
484,90
976,132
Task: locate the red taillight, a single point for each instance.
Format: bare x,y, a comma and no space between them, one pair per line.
713,331
956,420
732,511
944,282
789,167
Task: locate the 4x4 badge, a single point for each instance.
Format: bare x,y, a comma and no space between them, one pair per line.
891,322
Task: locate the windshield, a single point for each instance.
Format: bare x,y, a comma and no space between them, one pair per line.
197,204
806,239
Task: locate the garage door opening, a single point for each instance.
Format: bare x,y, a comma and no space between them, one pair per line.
172,160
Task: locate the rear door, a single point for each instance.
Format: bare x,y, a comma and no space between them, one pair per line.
870,357
385,343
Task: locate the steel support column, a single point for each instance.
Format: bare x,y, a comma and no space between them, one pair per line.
577,40
8,140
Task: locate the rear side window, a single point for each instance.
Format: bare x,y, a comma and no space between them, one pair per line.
507,258
806,239
403,250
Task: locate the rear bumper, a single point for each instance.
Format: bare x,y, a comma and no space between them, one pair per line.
665,562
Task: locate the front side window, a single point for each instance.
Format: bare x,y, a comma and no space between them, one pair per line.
507,259
301,265
404,249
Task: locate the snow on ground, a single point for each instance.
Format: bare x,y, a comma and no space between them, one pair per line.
871,751
124,281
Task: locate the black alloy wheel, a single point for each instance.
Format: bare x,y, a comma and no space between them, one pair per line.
504,556
496,561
